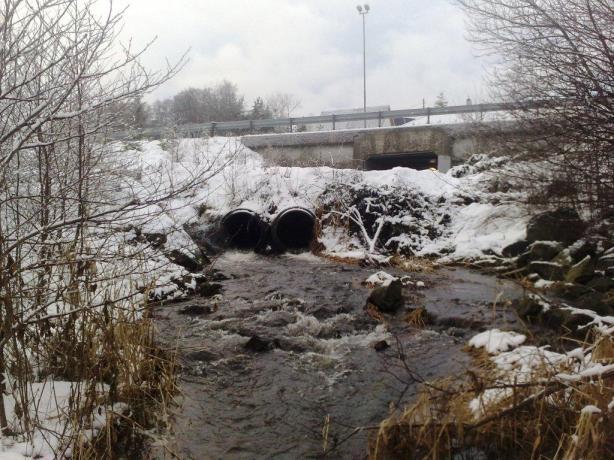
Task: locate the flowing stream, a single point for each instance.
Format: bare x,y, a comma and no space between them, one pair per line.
286,353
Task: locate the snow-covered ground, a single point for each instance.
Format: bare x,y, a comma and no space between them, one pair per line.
242,180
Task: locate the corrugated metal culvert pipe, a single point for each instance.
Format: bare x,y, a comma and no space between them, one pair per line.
244,229
293,229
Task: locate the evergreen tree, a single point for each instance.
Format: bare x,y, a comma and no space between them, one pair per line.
441,100
260,111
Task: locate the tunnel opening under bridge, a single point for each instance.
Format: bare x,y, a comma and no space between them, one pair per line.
417,160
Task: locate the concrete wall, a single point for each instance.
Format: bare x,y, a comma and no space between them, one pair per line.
350,148
336,156
416,139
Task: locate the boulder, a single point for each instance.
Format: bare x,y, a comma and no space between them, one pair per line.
545,250
571,291
155,239
206,289
539,250
191,263
595,301
605,262
196,310
388,298
582,248
381,345
582,269
515,249
562,225
257,344
548,270
601,284
528,307
564,258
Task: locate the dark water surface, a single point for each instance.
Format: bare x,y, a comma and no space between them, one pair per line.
320,364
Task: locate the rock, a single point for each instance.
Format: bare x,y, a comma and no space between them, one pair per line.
257,345
564,258
555,318
155,239
548,270
605,262
206,289
515,249
571,291
582,248
196,310
381,345
216,275
595,301
539,251
580,270
455,332
529,308
601,284
575,320
193,264
388,298
545,250
562,225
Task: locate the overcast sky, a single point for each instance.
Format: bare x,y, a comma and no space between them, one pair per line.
313,49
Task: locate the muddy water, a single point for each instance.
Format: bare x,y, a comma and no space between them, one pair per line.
316,359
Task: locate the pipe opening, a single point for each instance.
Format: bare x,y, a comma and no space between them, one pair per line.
244,229
416,160
293,228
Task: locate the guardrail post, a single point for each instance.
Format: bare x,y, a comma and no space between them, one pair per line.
379,119
428,115
251,126
212,131
334,121
290,124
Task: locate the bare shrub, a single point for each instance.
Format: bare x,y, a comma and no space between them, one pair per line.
556,63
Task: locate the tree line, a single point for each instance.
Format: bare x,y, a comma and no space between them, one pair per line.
220,102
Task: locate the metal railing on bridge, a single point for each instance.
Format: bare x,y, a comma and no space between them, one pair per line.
253,126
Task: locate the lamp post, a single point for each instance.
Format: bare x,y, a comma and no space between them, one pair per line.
363,11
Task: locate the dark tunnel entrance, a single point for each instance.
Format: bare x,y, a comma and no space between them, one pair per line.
244,229
418,160
293,229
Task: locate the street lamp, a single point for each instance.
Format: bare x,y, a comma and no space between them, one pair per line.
363,11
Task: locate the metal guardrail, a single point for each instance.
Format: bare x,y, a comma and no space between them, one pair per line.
243,126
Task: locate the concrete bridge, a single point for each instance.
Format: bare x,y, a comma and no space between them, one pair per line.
418,147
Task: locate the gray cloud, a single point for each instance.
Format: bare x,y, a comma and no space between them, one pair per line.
313,48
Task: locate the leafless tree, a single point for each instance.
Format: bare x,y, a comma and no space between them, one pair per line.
556,61
68,270
282,105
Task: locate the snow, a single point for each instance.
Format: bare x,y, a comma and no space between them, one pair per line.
380,278
590,409
483,226
50,401
495,341
543,284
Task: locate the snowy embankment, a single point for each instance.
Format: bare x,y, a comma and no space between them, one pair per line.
422,213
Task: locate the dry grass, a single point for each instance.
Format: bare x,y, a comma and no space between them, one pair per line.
142,381
540,418
414,264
